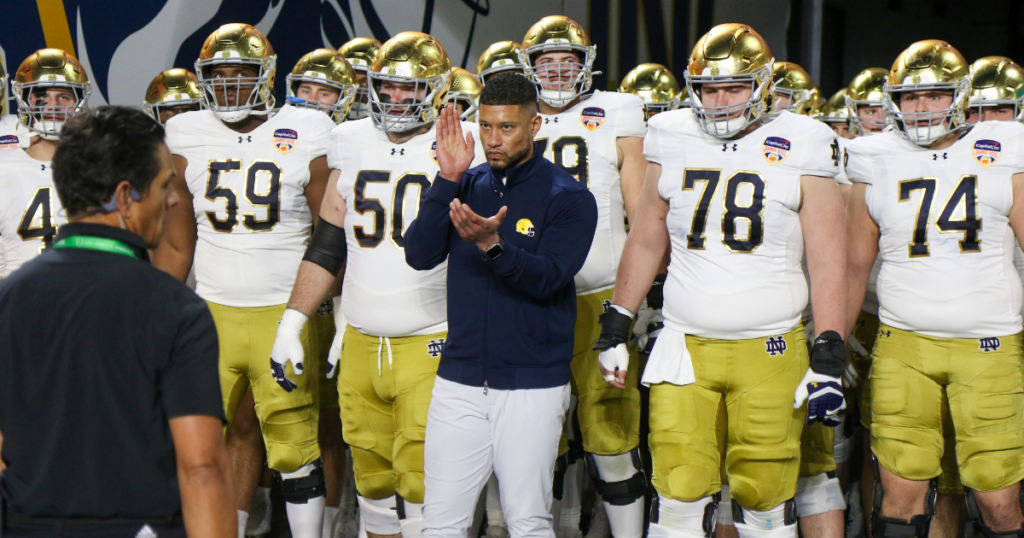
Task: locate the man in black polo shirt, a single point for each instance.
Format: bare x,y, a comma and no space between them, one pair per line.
110,403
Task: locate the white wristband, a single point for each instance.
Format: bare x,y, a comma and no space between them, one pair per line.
623,310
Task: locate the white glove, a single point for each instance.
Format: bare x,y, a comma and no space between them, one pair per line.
334,355
614,358
649,323
288,348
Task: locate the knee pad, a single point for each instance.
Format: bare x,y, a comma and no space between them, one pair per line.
979,524
561,466
818,494
380,516
410,517
678,519
305,483
725,507
630,485
891,527
779,522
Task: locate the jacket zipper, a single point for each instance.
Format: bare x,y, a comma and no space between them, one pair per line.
485,386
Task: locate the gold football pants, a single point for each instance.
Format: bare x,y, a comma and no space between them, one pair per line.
321,336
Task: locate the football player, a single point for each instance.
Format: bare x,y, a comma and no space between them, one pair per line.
997,90
795,91
735,292
252,182
598,138
864,101
50,87
499,57
655,85
323,80
835,114
396,317
172,92
949,342
360,53
465,93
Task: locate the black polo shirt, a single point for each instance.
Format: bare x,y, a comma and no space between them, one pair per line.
98,350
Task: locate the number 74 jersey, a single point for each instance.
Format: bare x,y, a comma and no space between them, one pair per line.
946,245
30,211
736,238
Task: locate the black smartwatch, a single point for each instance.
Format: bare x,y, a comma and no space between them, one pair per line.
494,251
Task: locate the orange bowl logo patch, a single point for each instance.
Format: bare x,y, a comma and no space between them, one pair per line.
775,149
285,139
9,141
592,117
986,152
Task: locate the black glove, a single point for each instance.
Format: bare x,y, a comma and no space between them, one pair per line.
614,329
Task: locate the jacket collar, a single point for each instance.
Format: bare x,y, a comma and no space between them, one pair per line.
522,171
131,240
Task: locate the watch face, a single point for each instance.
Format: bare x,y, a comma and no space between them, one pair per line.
494,251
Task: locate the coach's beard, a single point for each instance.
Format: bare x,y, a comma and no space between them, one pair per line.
500,166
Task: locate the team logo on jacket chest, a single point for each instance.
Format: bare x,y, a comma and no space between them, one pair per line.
285,139
775,149
986,152
592,117
9,141
525,227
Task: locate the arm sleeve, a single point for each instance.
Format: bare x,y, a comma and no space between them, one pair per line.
652,142
822,156
190,382
562,250
631,121
428,239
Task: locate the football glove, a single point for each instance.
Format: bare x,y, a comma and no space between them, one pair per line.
650,322
334,355
615,324
288,348
821,386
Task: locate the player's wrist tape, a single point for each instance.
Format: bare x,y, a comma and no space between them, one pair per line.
656,297
615,324
292,320
827,354
327,248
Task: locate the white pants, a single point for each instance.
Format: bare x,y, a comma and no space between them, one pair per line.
513,433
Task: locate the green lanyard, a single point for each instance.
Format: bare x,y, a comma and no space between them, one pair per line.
95,243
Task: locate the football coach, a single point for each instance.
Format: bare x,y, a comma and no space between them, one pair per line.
110,404
502,385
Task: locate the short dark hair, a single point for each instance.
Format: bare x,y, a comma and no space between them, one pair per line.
101,148
508,89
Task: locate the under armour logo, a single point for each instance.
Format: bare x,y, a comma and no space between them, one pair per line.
606,305
326,308
42,167
244,139
396,151
775,345
726,146
988,344
435,346
935,156
550,120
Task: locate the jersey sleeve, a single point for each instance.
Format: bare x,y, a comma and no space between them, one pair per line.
631,118
172,136
1018,165
652,140
841,176
822,156
321,133
857,163
334,144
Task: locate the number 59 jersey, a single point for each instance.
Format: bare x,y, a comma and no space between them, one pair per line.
736,238
382,184
248,194
946,245
582,141
30,211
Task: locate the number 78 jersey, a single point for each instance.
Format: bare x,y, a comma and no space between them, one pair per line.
736,238
946,245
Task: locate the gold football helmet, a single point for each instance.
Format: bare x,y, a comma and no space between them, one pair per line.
237,44
172,88
465,89
417,63
656,85
928,65
499,57
326,68
49,68
553,34
360,53
730,53
997,80
866,89
794,83
834,110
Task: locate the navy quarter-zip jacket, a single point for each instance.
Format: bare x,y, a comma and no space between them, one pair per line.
510,321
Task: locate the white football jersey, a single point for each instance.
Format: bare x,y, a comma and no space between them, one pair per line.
30,210
8,132
841,176
946,245
382,184
581,140
736,239
248,193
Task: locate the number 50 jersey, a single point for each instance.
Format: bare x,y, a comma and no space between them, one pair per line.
946,245
737,243
248,193
30,211
382,184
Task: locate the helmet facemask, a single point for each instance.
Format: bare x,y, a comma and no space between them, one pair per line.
579,73
716,121
361,102
937,123
413,112
338,110
466,100
45,120
261,98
